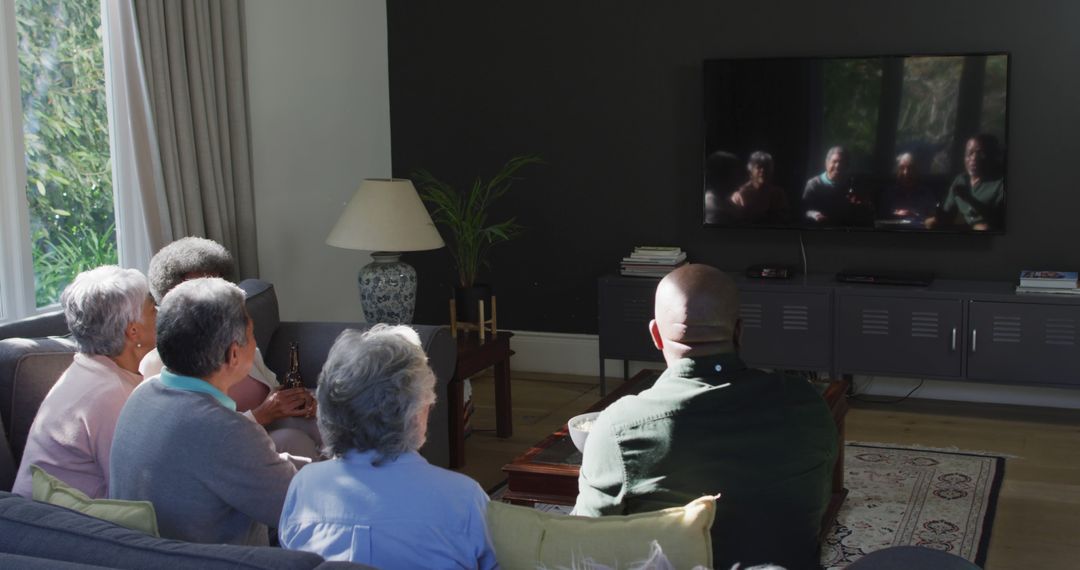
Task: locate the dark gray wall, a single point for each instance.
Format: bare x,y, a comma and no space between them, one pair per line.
609,92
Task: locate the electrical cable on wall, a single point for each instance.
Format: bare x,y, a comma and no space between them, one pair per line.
882,400
802,248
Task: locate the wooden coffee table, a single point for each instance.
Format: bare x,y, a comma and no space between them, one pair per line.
548,471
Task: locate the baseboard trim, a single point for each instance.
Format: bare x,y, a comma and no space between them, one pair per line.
566,353
577,354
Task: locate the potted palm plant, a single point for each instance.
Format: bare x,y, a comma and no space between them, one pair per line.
469,234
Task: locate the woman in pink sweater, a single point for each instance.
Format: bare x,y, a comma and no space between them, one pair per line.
111,315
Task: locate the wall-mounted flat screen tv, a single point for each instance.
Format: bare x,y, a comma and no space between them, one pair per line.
911,143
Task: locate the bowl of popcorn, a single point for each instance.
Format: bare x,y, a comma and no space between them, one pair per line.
579,427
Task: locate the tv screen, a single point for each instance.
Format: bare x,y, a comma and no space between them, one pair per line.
913,143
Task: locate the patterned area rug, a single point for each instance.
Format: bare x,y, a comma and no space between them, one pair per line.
897,496
901,496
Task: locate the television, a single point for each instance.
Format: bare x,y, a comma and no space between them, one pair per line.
894,143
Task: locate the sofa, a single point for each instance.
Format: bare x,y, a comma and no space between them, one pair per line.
30,365
315,338
38,535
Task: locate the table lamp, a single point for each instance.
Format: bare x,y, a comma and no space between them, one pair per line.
386,217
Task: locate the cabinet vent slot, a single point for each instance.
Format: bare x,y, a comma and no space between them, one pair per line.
1006,329
924,324
637,310
1061,332
751,315
796,318
875,321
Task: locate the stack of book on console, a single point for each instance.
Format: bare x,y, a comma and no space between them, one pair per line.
653,261
1052,282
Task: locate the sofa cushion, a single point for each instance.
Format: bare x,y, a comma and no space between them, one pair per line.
38,530
28,369
28,563
262,305
49,324
315,340
136,515
528,538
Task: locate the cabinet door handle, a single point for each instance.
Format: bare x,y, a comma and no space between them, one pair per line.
953,346
974,340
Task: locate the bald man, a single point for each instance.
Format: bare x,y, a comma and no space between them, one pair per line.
709,425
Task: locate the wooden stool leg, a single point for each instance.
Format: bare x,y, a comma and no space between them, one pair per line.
481,320
494,329
453,318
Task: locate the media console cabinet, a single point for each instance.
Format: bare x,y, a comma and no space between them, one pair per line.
978,331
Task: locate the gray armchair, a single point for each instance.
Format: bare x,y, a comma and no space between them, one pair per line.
30,366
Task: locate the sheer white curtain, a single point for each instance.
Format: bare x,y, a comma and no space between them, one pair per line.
16,266
142,224
138,191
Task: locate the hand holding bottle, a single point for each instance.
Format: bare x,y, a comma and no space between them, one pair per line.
285,403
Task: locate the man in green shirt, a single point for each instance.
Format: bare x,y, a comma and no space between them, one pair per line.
976,198
765,442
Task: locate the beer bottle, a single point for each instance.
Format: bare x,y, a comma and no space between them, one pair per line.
292,377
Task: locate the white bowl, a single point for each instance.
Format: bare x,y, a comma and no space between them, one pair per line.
578,435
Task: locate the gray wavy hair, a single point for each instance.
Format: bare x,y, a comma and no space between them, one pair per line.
372,390
197,322
171,264
100,303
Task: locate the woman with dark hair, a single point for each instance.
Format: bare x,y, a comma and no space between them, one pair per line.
759,200
377,501
288,414
111,317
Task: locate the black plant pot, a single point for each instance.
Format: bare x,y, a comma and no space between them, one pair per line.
468,300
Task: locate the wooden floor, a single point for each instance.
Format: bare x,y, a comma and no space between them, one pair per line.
1038,516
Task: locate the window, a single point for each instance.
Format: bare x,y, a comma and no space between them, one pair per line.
54,96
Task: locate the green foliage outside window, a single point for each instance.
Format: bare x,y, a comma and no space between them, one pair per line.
852,95
68,168
993,115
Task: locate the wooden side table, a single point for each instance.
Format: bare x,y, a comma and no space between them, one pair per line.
474,356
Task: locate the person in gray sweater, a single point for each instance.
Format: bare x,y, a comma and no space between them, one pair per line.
212,474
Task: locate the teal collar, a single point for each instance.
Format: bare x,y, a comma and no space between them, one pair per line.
189,384
826,180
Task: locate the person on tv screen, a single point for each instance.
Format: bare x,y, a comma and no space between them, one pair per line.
976,198
723,172
828,197
908,201
759,200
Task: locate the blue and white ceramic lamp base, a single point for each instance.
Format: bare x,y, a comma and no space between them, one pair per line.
387,289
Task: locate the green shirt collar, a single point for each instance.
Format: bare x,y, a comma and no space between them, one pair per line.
710,366
190,384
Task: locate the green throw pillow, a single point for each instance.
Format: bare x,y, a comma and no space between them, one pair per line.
136,515
527,538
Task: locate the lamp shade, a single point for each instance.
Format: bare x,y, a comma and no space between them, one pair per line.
385,215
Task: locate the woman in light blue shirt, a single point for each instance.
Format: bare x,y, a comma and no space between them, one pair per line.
377,501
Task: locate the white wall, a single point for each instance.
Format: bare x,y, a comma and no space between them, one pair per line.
320,123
